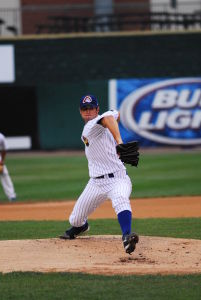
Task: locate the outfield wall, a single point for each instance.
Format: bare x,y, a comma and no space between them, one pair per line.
57,70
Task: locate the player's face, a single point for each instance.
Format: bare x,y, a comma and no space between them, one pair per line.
89,113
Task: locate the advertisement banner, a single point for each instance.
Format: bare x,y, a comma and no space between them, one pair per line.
158,111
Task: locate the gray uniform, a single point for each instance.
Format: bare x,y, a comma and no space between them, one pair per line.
4,176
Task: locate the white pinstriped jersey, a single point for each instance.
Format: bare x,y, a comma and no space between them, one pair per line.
100,147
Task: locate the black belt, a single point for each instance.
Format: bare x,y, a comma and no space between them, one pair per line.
111,175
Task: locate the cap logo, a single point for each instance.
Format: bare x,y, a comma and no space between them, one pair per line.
87,99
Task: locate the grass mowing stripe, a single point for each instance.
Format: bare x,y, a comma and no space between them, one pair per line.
64,177
81,286
177,228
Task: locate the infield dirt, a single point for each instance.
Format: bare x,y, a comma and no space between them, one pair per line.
102,254
174,207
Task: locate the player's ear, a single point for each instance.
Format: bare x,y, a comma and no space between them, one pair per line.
97,109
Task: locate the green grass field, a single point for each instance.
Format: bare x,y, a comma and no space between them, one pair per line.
59,177
177,228
64,177
18,286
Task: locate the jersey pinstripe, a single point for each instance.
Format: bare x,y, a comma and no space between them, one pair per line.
100,147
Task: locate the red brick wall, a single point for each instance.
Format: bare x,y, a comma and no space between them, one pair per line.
55,2
31,19
139,6
132,6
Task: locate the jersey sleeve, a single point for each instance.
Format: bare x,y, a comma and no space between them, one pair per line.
93,128
113,113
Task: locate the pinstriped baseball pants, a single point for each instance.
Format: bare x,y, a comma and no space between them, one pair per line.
118,189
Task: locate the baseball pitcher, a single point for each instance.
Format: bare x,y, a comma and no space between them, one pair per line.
106,155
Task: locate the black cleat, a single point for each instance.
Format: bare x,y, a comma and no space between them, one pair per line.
73,232
130,241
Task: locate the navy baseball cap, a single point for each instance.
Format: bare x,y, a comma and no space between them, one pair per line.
88,101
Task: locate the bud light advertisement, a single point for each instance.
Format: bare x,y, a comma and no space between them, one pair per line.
158,112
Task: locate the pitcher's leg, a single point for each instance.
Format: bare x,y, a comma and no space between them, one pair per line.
120,194
7,184
121,204
88,201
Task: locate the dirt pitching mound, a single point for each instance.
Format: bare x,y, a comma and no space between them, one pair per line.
102,255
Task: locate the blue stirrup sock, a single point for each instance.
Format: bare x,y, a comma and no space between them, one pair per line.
125,219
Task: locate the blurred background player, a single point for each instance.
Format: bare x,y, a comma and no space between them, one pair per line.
4,175
108,176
